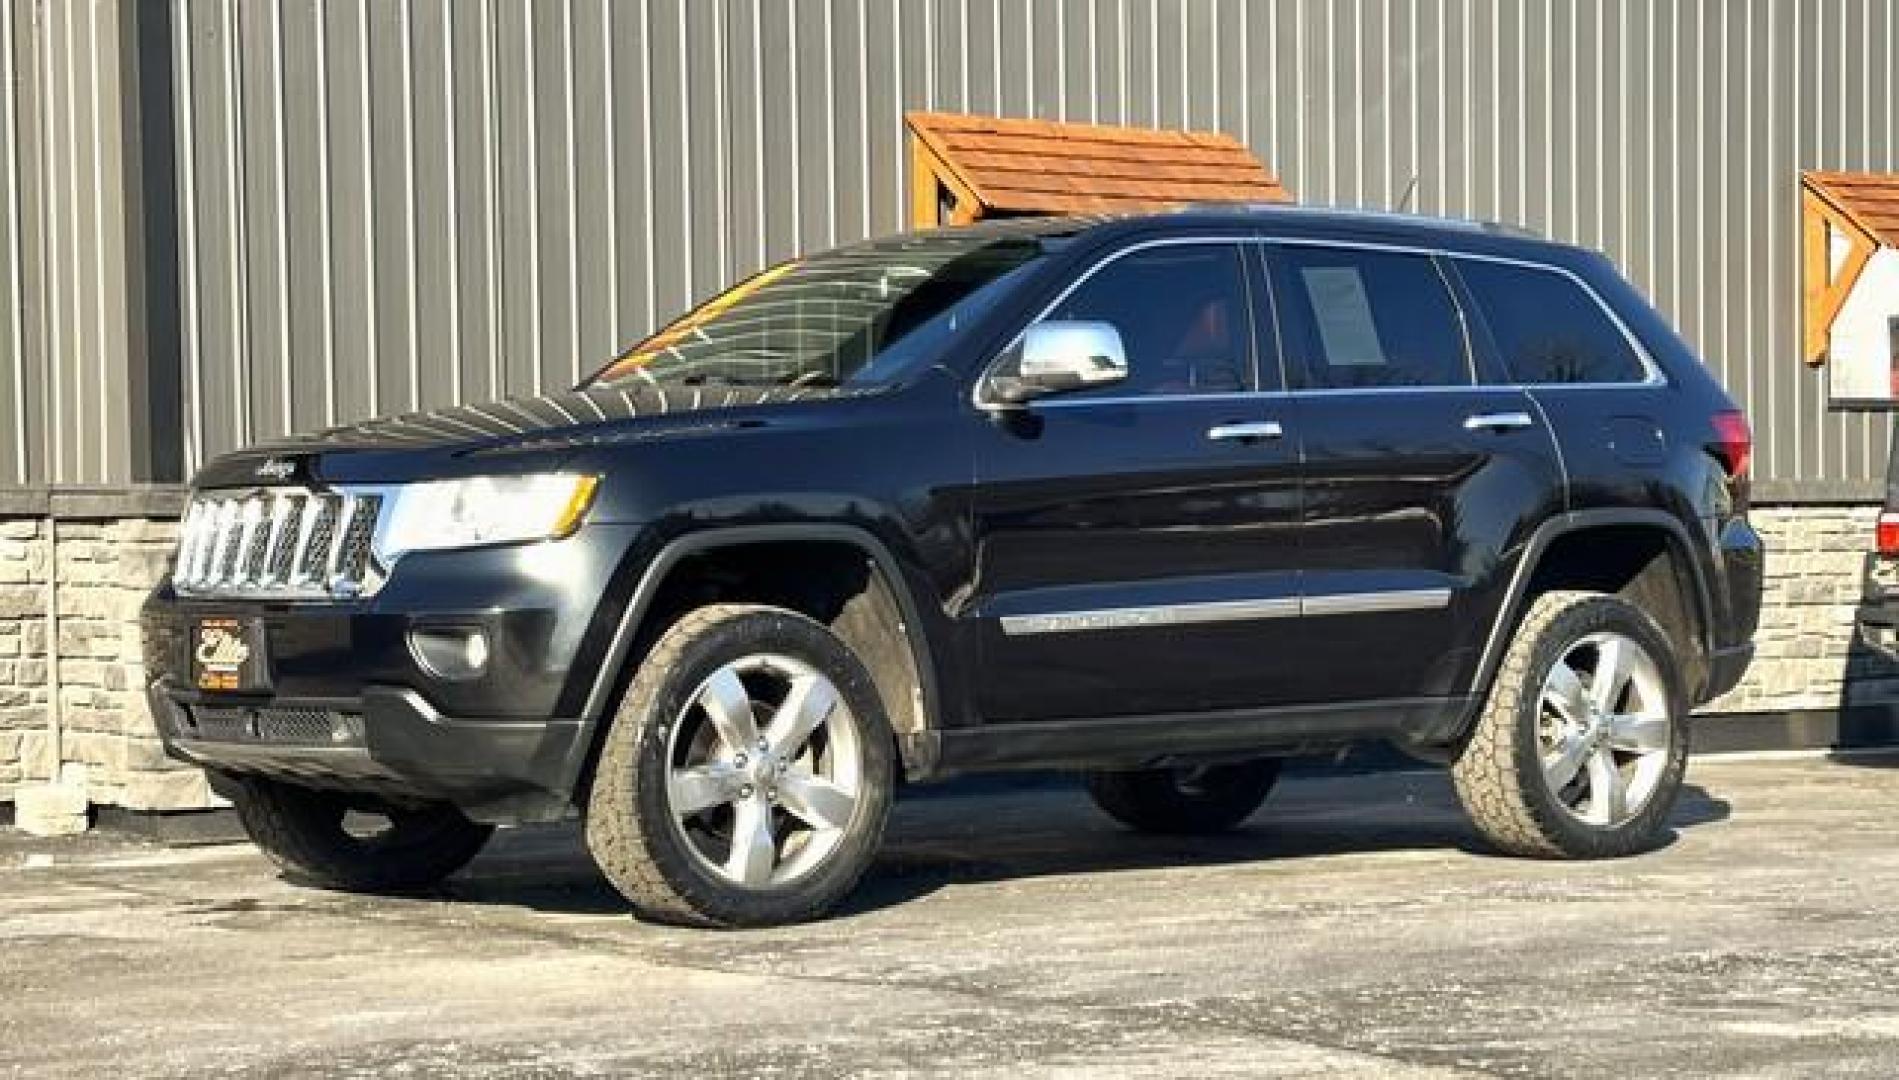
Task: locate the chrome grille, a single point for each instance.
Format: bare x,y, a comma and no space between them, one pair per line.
278,542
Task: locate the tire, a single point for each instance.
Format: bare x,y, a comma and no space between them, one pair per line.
1185,801
1538,725
304,832
674,789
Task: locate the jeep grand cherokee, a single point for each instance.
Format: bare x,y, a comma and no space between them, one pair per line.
1165,499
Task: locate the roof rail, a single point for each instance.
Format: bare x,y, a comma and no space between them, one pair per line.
1498,228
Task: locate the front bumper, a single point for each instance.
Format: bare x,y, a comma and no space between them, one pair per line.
388,742
346,702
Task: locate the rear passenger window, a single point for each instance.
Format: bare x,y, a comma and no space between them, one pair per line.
1548,329
1371,319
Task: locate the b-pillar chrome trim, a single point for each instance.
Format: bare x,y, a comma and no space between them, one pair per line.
1137,618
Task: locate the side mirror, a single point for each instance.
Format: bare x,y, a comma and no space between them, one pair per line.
1060,356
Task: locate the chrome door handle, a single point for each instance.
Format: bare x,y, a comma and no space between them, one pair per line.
1498,421
1257,429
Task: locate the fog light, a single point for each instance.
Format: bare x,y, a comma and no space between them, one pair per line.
453,653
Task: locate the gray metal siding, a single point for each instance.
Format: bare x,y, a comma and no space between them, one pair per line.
19,379
62,244
387,205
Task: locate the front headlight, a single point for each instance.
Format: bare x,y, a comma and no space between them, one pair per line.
439,514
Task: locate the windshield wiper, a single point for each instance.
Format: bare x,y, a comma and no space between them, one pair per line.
700,378
810,380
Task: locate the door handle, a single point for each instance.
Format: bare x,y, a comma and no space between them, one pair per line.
1498,421
1256,429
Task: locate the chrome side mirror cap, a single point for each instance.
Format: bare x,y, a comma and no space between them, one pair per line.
1060,356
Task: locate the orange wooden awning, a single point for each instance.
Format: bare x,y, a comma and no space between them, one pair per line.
970,167
1863,209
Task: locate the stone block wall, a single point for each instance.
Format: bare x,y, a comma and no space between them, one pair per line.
104,569
76,711
26,751
1819,562
98,569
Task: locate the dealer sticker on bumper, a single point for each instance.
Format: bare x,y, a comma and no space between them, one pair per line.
227,654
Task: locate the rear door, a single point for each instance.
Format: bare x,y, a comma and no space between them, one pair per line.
1604,399
1422,473
1138,544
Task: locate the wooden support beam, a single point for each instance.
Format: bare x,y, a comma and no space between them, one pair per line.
929,178
1823,292
1816,273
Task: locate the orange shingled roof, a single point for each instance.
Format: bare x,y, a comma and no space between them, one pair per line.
1870,200
1041,166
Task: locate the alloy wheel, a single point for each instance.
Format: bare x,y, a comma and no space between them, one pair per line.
764,771
1604,729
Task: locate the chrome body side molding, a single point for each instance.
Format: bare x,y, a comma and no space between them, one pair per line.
1136,618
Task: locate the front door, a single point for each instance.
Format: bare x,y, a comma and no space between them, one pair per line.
1138,543
1424,472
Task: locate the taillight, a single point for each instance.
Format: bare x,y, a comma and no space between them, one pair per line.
1734,443
1888,533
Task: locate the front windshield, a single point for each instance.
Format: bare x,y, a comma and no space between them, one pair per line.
856,316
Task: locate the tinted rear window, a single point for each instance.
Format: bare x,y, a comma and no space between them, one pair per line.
1548,329
1370,318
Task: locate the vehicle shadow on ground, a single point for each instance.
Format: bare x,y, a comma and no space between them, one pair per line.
1866,759
989,830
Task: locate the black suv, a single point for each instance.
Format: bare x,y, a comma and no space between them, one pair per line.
1165,499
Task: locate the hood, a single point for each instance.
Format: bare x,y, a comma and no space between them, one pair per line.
554,425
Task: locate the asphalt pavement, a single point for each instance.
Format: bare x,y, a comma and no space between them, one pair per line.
1354,927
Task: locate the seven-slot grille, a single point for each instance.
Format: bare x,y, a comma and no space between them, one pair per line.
278,542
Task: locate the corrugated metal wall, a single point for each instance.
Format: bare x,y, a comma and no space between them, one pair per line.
392,204
63,332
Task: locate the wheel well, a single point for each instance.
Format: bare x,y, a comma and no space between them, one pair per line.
1644,565
834,582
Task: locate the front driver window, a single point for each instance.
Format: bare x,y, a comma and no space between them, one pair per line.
1182,314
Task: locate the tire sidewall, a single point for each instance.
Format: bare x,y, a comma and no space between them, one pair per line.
302,830
749,634
1593,615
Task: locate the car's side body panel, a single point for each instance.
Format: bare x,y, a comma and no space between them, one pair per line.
1406,505
1127,563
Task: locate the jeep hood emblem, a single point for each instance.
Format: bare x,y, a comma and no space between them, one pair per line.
276,468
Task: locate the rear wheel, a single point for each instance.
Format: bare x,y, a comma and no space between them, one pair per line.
1581,746
747,775
1195,799
354,843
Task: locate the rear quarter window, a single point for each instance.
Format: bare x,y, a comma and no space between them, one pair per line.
1548,329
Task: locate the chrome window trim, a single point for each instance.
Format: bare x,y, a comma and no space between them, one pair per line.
1059,402
1656,377
1217,611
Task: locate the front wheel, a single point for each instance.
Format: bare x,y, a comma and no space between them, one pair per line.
1581,746
1188,800
356,844
747,775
